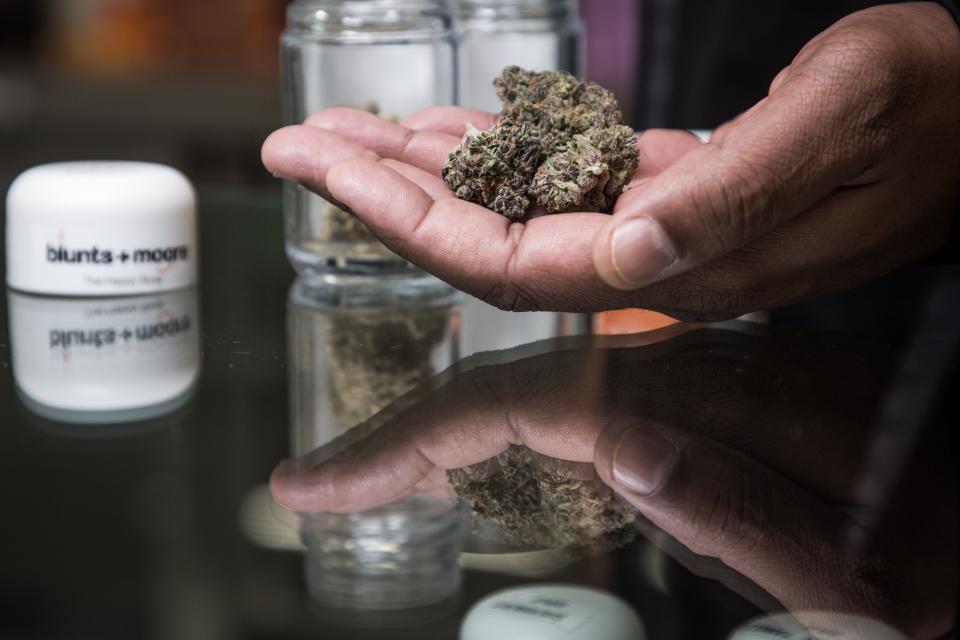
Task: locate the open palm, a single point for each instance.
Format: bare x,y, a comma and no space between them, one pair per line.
845,171
388,175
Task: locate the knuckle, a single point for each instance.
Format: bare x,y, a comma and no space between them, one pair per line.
729,517
510,293
886,87
483,382
705,294
507,297
735,203
326,118
880,589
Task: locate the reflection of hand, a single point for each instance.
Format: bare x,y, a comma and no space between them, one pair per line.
746,449
845,171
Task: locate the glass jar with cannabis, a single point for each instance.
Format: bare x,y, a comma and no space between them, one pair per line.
355,347
391,57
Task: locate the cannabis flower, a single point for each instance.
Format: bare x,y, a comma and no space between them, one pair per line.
559,143
540,502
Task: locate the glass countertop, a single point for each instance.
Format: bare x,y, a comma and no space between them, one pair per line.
259,457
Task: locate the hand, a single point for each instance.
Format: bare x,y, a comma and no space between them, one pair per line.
747,449
847,170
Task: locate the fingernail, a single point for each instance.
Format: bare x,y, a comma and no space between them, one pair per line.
643,460
641,251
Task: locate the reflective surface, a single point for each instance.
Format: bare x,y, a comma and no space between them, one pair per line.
770,472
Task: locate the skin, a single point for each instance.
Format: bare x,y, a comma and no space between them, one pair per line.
847,170
754,452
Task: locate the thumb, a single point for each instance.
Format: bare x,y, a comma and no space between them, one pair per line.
812,134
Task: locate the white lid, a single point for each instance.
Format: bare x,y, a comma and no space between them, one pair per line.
547,611
815,624
101,228
107,360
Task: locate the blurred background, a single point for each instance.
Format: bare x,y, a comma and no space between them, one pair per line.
117,538
191,84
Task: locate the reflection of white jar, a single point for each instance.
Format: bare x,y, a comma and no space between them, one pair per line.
815,624
552,611
107,360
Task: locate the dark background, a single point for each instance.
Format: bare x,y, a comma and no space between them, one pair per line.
140,536
88,549
195,84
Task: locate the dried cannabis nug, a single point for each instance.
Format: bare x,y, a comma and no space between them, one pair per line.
541,502
559,143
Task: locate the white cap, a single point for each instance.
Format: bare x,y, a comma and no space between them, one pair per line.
815,624
101,228
546,611
104,361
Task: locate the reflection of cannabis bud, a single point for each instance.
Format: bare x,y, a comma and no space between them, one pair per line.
374,358
559,143
541,502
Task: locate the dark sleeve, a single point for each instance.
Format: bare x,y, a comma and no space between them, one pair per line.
953,6
951,253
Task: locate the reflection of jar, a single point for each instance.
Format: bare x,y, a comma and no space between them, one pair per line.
391,57
104,361
534,34
354,348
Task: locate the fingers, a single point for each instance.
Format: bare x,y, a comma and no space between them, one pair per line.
776,160
304,154
542,264
434,187
427,150
658,149
450,120
475,417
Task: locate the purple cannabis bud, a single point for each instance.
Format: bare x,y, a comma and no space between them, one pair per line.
559,143
538,502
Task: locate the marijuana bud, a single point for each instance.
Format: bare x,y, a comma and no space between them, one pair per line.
559,143
540,502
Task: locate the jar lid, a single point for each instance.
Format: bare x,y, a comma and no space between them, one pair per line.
370,20
546,611
101,228
816,624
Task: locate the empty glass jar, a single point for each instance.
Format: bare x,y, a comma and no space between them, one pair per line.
535,34
391,57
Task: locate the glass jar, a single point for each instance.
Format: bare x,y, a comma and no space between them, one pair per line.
357,346
535,34
545,35
354,348
391,57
